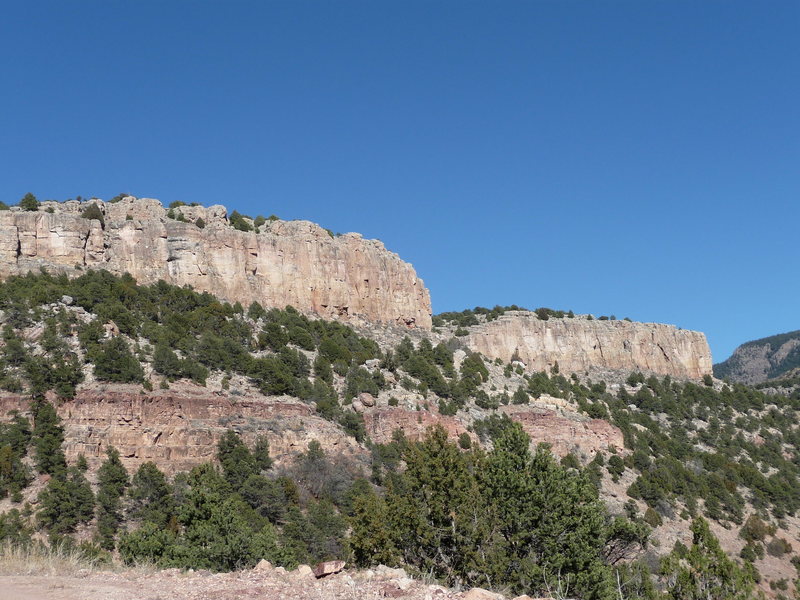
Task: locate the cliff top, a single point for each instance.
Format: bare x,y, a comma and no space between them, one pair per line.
120,209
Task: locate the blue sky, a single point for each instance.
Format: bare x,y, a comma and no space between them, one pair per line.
637,158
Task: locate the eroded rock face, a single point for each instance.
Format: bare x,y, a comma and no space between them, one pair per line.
566,433
579,345
565,430
382,422
293,263
178,430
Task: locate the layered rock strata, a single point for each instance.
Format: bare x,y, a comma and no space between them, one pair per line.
565,431
578,345
179,429
293,263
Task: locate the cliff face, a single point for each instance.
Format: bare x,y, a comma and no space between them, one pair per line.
179,429
768,358
579,345
564,431
293,263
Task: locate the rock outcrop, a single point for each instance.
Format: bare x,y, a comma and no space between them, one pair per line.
381,423
566,432
580,345
759,360
179,429
293,263
563,428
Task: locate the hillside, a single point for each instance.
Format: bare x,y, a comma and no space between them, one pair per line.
147,422
773,357
173,379
296,263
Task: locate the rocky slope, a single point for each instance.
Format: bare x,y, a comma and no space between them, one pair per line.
580,345
759,360
293,263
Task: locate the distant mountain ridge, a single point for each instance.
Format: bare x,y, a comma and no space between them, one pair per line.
760,360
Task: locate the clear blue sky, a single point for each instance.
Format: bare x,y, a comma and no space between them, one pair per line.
637,158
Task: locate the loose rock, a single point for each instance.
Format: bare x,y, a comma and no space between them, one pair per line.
263,565
328,568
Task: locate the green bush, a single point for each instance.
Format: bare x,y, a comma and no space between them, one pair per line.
93,212
112,480
116,363
240,222
438,516
29,203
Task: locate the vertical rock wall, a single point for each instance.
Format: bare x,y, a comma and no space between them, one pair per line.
293,263
580,344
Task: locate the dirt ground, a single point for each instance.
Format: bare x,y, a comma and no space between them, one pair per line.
272,584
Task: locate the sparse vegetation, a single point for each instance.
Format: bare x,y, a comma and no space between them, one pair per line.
692,450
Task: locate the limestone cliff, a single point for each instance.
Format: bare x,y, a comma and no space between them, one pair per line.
580,344
293,263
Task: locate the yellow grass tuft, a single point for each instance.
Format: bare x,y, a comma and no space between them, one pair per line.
39,559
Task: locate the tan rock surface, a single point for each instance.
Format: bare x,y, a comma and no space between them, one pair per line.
579,344
293,263
328,567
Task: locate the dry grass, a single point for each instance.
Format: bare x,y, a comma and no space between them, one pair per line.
38,559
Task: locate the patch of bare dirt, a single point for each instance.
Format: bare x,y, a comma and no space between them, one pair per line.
269,584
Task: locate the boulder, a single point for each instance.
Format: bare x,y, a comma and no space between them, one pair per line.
404,583
385,572
303,572
366,399
328,568
263,565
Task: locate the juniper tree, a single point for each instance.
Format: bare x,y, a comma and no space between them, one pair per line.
150,496
112,479
48,435
238,463
65,503
438,512
29,202
552,525
114,362
705,571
